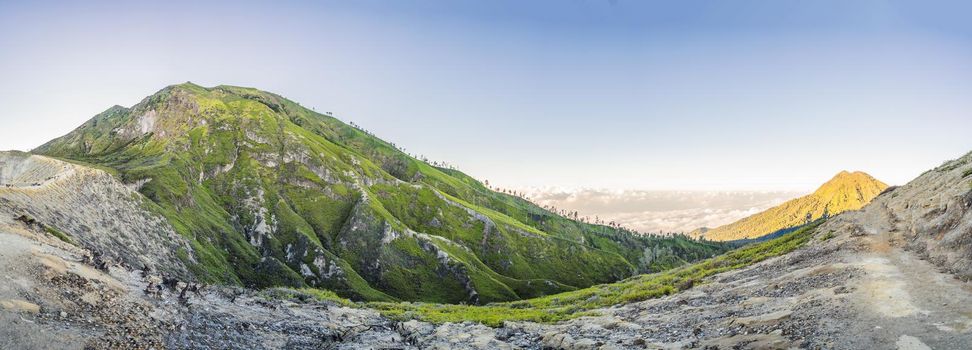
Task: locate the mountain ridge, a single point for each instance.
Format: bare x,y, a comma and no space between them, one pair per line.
272,194
844,191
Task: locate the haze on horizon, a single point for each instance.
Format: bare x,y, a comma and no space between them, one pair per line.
619,95
660,211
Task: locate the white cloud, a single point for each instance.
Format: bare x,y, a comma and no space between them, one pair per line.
653,211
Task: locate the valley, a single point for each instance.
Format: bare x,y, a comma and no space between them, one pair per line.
233,218
848,282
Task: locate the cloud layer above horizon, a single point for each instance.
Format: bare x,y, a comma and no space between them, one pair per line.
661,211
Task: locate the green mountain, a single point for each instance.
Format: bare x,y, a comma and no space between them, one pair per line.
845,191
269,193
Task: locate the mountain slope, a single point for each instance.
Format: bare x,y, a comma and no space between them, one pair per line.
91,209
845,191
829,285
931,216
269,193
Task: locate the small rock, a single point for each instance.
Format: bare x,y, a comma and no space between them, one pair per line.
583,344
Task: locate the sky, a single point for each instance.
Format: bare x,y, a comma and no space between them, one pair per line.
614,95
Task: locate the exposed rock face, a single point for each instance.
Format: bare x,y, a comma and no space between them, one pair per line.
51,299
846,191
932,215
93,210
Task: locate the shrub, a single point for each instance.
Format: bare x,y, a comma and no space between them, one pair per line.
827,236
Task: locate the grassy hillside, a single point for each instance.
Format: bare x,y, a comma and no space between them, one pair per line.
272,194
845,191
578,303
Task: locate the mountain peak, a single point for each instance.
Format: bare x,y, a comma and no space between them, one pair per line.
172,113
846,182
187,84
845,191
847,176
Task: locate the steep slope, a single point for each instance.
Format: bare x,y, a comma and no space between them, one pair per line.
91,209
845,191
931,216
269,193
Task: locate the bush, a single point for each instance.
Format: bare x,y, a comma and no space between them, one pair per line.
827,236
59,234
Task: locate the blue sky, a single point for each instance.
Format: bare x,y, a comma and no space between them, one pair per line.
612,94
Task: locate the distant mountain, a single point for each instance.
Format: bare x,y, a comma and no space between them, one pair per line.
268,193
845,191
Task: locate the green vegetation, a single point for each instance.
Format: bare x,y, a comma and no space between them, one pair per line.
578,303
271,194
304,295
59,234
53,231
828,235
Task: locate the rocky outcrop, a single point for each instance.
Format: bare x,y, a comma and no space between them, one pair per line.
932,216
90,208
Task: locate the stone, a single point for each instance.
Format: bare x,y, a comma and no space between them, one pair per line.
765,319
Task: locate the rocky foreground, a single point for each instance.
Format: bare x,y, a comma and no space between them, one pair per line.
851,291
893,275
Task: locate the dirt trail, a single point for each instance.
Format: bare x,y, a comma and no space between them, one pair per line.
907,302
856,290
